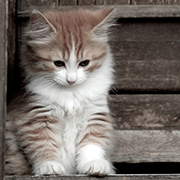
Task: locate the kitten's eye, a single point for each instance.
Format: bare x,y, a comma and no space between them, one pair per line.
84,63
59,63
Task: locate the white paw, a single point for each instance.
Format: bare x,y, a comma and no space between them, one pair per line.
49,168
97,167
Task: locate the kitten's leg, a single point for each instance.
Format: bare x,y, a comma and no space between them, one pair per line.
40,144
92,154
15,162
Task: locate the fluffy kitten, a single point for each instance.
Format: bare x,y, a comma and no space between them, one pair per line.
61,124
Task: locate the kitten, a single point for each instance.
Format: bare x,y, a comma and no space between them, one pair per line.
61,124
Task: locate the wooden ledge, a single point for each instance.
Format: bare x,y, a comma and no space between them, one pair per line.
110,177
123,11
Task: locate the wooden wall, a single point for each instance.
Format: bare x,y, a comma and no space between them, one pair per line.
144,100
3,82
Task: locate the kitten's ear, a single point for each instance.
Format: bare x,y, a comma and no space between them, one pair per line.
105,20
39,26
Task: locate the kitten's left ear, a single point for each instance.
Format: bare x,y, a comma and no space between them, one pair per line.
105,20
39,26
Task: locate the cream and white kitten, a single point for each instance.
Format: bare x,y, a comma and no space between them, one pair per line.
61,123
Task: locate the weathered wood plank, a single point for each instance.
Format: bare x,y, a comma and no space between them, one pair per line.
110,177
143,111
151,29
123,11
152,76
25,4
146,86
68,2
147,146
3,73
146,54
86,2
112,2
146,50
169,2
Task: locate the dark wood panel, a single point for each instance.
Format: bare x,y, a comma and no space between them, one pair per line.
140,111
25,4
112,2
3,73
146,50
147,65
110,177
68,2
163,70
149,29
147,86
86,2
169,2
123,11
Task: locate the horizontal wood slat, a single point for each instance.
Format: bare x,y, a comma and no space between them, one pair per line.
110,177
146,111
123,11
112,2
86,2
137,2
68,2
147,76
147,146
24,4
151,29
146,53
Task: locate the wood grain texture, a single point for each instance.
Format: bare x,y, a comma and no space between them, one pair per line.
143,111
123,11
112,2
25,4
148,29
3,73
68,2
110,177
147,146
146,53
147,76
86,2
162,2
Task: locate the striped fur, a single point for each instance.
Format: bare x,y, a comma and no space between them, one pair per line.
61,123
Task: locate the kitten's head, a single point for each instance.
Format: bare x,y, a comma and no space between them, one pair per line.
66,47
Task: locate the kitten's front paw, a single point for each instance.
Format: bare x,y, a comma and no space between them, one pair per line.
97,167
49,168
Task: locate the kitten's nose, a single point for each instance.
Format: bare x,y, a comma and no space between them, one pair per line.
71,82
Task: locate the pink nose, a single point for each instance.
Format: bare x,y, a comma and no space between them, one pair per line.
71,82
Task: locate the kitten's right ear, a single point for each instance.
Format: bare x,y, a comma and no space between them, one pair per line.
39,26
